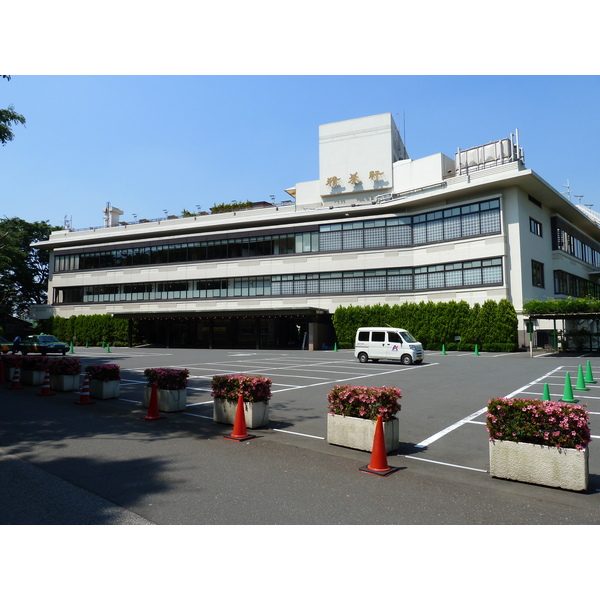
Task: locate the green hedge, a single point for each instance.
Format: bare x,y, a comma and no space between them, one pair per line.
562,306
91,329
491,326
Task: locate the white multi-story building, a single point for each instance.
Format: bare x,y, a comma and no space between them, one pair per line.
376,227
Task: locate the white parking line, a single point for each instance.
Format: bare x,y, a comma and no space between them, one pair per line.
456,425
317,437
474,415
337,381
437,462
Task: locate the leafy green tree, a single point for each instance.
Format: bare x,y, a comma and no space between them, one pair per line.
8,118
23,269
507,323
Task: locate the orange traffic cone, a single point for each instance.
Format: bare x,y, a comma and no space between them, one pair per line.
239,433
46,390
84,394
153,413
16,380
379,464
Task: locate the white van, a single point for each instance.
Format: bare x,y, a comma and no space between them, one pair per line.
387,343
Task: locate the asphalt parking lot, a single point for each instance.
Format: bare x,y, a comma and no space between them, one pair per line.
169,471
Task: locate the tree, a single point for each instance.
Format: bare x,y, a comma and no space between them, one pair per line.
23,269
8,118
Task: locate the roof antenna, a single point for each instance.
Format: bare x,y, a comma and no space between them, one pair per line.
568,192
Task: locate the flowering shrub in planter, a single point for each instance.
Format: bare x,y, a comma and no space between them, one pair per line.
33,369
253,388
167,378
255,391
543,422
364,402
104,380
35,363
108,372
64,373
353,412
64,366
11,361
539,441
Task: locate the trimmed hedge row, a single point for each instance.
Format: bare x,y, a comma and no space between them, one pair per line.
491,326
92,329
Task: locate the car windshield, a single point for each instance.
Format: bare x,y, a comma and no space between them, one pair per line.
407,336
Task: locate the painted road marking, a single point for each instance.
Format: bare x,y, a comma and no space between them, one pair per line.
437,462
474,415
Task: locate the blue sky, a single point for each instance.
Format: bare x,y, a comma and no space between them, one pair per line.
155,110
147,144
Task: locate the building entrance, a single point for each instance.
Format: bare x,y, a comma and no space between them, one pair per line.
251,332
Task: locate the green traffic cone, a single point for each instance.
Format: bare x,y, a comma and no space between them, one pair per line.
87,344
335,347
476,350
103,343
108,348
588,373
443,350
71,351
546,394
568,393
580,382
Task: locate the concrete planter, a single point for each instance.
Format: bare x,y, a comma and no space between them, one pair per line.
9,373
168,400
103,390
32,377
356,433
256,413
64,383
565,468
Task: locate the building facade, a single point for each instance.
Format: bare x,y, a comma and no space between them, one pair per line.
376,227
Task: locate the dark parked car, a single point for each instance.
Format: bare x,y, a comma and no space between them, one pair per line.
5,346
43,344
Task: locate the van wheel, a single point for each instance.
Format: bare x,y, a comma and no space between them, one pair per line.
406,359
363,357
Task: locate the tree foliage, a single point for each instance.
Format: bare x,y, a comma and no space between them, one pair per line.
231,207
8,118
23,269
555,306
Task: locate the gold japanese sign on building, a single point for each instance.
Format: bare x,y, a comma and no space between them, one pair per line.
354,179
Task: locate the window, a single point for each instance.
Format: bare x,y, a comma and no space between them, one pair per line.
537,273
535,227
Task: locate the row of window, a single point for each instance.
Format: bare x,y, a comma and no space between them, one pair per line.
573,245
571,285
479,218
190,252
453,275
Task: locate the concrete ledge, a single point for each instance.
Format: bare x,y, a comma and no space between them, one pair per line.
256,414
168,400
565,468
356,433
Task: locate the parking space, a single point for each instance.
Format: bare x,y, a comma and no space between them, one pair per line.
443,406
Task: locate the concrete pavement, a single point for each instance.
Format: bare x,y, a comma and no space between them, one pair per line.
62,463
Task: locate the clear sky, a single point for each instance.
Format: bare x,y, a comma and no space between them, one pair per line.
153,111
147,144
